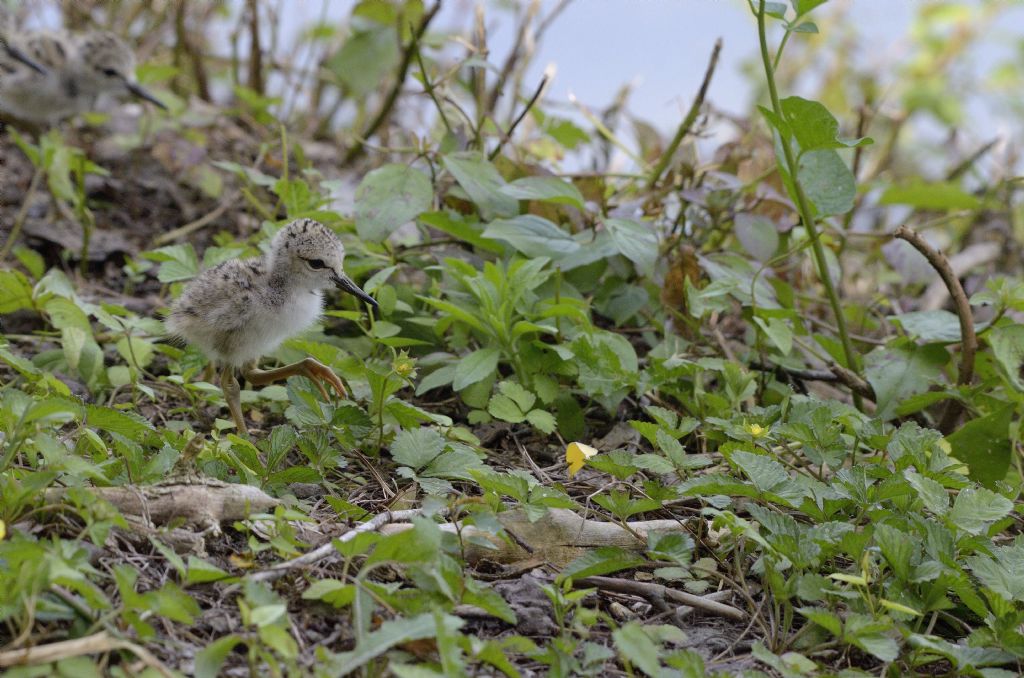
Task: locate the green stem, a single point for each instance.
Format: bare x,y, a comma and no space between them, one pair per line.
806,215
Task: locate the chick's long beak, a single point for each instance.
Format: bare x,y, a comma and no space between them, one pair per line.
17,54
345,283
139,91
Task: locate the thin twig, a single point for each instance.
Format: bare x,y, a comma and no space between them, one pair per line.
201,222
429,87
101,642
968,339
19,220
327,551
513,57
691,117
389,102
529,104
653,591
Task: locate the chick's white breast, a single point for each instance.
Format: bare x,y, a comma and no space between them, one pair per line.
234,315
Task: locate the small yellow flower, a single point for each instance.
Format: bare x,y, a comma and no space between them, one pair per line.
404,366
576,455
756,430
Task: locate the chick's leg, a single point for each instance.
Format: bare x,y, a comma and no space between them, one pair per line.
233,396
312,369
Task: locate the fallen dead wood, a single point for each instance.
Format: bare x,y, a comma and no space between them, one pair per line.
660,595
558,538
97,643
205,502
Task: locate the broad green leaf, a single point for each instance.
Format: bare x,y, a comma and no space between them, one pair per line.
975,508
1003,572
932,494
463,227
900,372
455,465
130,425
177,262
827,181
813,126
482,182
603,560
523,398
210,659
938,326
201,572
366,59
533,236
475,367
388,197
636,647
542,420
545,189
15,291
764,472
390,634
504,408
1008,347
931,196
757,234
897,548
779,331
417,447
984,445
636,241
802,7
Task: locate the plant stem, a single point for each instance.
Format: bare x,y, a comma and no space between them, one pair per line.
19,219
806,215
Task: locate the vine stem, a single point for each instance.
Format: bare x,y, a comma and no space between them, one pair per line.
805,213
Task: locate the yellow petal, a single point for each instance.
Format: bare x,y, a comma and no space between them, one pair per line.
576,455
3,530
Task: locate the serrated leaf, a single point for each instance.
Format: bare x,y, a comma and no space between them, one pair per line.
1008,347
417,447
975,508
523,398
542,420
636,241
504,408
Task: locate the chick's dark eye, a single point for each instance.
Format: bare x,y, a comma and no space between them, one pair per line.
316,264
109,72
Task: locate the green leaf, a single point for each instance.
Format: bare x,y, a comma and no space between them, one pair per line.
388,197
932,494
802,7
636,647
764,472
523,398
897,549
130,425
930,196
938,326
1008,347
827,181
543,421
1003,573
603,560
504,408
417,447
178,262
533,236
466,228
813,126
201,572
984,445
900,372
482,182
390,634
15,291
757,234
636,241
975,508
210,659
475,367
366,60
545,189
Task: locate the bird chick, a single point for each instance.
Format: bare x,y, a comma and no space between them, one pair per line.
77,70
243,309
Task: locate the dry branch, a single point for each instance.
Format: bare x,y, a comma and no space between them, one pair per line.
968,339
